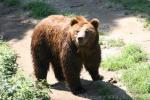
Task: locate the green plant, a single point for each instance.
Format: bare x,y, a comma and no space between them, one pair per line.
40,9
130,55
14,84
21,87
137,79
8,66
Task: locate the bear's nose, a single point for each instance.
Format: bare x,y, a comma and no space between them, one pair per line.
80,39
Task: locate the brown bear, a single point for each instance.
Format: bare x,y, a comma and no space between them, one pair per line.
67,43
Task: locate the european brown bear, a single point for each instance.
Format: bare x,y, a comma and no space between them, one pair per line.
67,43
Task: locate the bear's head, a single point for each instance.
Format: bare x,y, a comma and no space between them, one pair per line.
84,32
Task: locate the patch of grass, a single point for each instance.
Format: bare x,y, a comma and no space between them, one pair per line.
14,84
111,42
136,6
137,79
130,55
40,9
8,67
11,2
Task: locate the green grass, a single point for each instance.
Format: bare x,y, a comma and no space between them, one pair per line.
40,9
111,42
136,71
11,2
130,55
14,84
137,79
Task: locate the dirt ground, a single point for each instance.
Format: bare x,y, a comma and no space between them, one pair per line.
17,29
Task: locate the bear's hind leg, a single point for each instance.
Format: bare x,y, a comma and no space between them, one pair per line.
40,69
57,70
40,56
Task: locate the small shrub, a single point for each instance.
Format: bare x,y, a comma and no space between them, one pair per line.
8,66
14,85
21,87
39,9
130,55
137,78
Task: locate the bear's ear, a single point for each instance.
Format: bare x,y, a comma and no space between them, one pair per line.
95,22
74,21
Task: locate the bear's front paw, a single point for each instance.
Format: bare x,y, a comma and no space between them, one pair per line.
79,90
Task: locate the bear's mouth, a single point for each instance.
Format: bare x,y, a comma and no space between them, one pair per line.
82,43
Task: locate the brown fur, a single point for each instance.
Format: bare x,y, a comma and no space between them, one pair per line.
52,42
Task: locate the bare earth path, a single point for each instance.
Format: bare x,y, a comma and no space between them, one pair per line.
17,30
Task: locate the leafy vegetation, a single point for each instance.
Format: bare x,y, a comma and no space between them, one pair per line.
11,2
7,61
136,70
130,55
40,9
137,79
14,84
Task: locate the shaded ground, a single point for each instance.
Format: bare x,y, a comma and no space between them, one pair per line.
17,30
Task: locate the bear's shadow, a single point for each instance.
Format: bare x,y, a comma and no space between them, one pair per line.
98,90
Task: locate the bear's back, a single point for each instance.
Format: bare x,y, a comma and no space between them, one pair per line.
57,22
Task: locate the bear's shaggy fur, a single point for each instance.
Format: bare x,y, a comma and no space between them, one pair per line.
67,43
